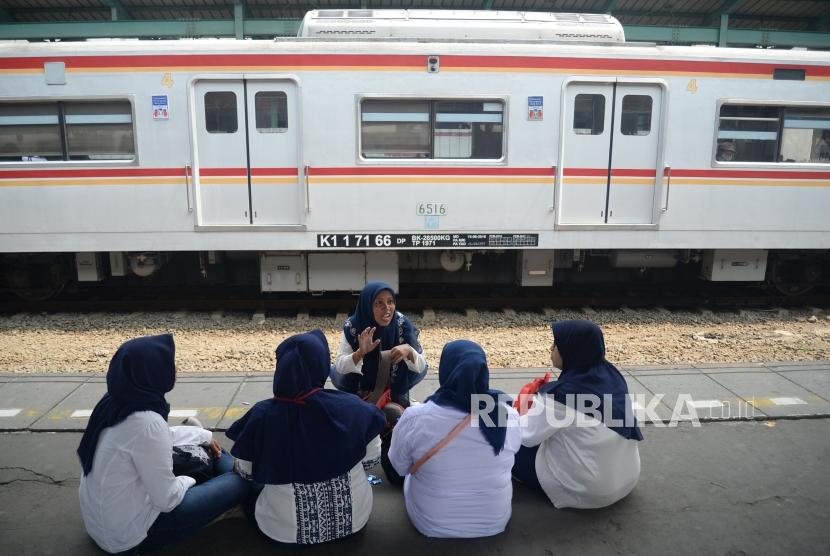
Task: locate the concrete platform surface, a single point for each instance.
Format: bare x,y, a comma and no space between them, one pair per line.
724,488
659,394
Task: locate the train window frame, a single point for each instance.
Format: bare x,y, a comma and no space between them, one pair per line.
221,130
283,107
637,130
93,159
783,109
593,130
430,159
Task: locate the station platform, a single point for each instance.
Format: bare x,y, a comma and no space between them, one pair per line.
659,394
750,475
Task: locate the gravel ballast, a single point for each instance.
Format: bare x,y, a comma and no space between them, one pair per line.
234,342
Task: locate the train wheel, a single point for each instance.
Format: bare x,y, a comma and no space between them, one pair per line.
37,282
793,277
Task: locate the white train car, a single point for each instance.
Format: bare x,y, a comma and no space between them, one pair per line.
413,146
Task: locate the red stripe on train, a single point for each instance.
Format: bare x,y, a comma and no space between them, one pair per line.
94,173
680,173
430,171
174,61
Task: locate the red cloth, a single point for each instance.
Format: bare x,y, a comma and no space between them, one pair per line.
524,400
384,399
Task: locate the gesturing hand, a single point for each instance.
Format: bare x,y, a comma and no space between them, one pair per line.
364,340
401,352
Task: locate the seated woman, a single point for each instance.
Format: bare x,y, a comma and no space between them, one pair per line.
304,449
575,459
377,327
129,495
461,488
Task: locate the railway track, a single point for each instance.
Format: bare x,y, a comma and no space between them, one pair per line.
420,300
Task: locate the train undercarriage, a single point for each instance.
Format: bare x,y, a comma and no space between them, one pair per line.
41,276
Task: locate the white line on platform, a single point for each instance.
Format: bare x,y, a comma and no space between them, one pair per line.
9,412
788,401
706,404
83,413
183,412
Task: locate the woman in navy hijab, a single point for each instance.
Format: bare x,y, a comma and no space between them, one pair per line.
580,436
129,495
377,327
305,449
462,489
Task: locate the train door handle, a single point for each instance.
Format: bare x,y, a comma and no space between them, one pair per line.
306,169
667,173
187,171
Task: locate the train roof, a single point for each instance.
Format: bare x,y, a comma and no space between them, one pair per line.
462,25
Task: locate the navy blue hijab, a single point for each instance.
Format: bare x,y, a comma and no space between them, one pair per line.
586,371
304,434
140,373
400,331
463,372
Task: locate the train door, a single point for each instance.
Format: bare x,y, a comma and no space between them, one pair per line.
611,152
246,135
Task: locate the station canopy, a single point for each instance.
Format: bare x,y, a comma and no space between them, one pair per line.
745,23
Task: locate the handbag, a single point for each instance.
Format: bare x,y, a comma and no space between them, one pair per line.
193,461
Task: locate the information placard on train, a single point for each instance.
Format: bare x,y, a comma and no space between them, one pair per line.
397,241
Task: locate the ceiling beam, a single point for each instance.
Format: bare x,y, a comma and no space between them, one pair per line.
736,37
699,15
610,6
288,28
148,29
117,11
726,8
239,20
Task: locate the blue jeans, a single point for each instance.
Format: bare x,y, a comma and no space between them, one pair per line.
524,468
201,504
350,382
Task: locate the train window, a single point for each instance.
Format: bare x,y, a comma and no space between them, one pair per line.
433,129
271,111
636,115
66,130
29,132
395,128
220,112
806,135
99,130
589,114
756,133
750,132
468,129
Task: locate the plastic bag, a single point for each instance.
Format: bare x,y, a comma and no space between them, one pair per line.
524,400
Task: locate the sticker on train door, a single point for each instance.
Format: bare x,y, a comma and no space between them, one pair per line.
161,108
534,108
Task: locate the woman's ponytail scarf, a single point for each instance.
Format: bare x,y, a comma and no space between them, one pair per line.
586,371
140,373
462,373
304,434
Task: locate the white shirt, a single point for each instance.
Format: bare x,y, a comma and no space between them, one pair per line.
345,364
464,490
586,466
316,512
132,479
